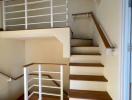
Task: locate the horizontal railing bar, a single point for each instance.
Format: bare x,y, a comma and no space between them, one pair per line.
38,9
38,23
51,94
39,16
15,12
46,15
51,87
47,72
59,6
59,21
47,79
15,18
43,64
15,25
44,86
40,1
15,5
59,13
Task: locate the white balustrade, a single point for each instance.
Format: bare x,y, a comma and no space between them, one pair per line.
28,71
27,24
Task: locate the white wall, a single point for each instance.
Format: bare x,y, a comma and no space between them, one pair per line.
47,50
1,22
81,26
109,15
12,58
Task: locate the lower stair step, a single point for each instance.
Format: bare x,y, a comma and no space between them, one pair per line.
85,50
88,95
88,82
85,59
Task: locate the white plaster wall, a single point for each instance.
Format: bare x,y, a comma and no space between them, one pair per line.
81,26
12,58
108,13
47,50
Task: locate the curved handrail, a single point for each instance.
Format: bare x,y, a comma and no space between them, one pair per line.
100,30
30,64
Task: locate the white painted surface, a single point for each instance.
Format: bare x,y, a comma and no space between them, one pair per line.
86,70
11,61
84,50
109,14
85,58
88,85
62,34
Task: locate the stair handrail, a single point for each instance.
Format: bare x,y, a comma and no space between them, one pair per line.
30,64
99,28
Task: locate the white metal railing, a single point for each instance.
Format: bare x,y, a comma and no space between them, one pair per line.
40,72
13,22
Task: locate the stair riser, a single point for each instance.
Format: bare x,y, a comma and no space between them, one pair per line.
76,42
85,50
88,85
85,59
86,70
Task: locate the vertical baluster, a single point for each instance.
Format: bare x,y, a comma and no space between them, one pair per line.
66,12
4,16
26,15
51,12
61,78
25,83
40,81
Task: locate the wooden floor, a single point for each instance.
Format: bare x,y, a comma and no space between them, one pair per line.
35,97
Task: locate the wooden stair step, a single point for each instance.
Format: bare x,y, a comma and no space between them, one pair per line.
82,38
87,64
35,97
85,53
94,95
81,42
84,46
88,78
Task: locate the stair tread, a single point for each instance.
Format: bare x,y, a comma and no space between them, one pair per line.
82,39
84,46
85,53
88,78
87,64
84,94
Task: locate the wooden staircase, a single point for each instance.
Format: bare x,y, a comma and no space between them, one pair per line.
87,81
